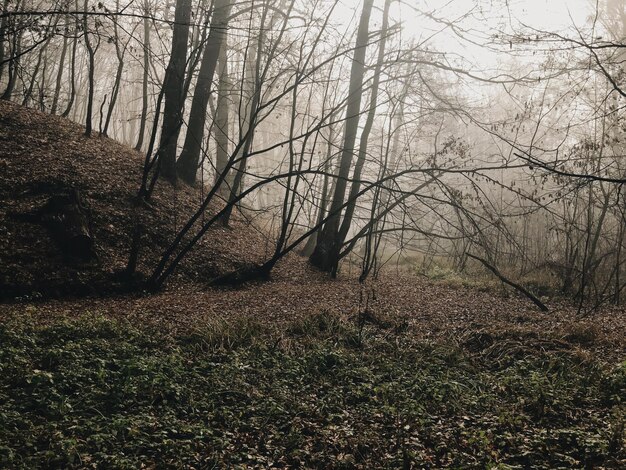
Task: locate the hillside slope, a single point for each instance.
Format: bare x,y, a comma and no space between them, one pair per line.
42,156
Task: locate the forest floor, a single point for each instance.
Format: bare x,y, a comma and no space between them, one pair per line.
287,377
300,371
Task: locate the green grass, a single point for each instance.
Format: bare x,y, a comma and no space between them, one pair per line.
327,392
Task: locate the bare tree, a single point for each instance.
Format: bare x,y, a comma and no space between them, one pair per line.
145,76
328,243
173,91
187,164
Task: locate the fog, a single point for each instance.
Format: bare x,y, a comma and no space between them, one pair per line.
358,133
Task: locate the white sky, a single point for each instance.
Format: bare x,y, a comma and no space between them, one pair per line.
485,17
550,14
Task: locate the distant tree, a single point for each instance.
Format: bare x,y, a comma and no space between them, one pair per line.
72,78
222,114
4,23
251,89
91,68
61,68
145,75
15,50
120,52
41,57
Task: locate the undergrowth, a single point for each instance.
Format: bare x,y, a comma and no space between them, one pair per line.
539,283
328,392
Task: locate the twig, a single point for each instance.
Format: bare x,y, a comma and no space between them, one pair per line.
516,286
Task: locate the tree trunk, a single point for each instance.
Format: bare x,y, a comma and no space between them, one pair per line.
91,71
173,91
43,86
323,201
29,93
254,79
59,79
119,52
72,91
618,259
326,251
187,164
250,96
40,57
14,62
3,28
197,41
144,85
222,116
356,184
